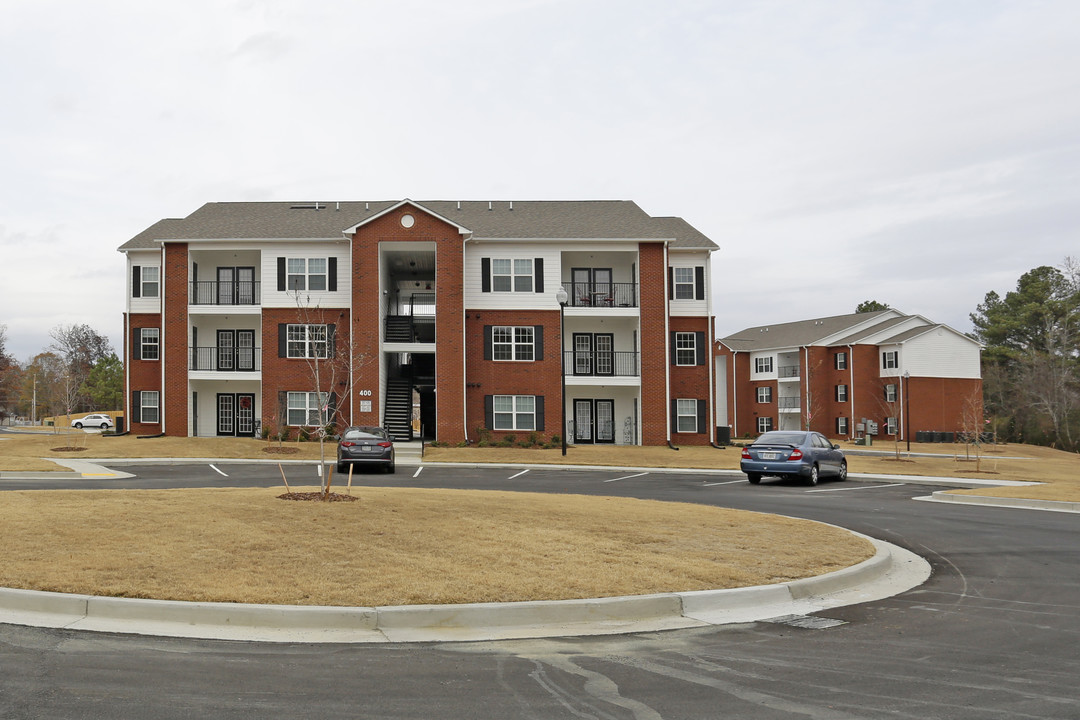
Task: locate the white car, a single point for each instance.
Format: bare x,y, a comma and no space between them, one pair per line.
93,421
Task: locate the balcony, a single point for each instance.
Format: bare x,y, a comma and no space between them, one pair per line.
221,292
788,403
225,359
582,294
788,372
601,364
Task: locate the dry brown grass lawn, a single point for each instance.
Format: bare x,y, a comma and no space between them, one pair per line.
397,546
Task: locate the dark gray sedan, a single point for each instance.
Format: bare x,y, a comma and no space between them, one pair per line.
794,454
365,445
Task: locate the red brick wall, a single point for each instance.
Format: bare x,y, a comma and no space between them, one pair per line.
175,397
654,357
692,381
937,404
144,374
488,377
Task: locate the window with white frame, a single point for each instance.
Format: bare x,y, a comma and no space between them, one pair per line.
513,342
512,275
149,404
683,278
514,412
890,426
686,415
841,393
306,341
303,408
890,393
306,273
763,365
149,344
890,359
685,348
764,424
840,360
764,394
150,281
841,426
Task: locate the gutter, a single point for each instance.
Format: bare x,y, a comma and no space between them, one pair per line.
851,390
667,348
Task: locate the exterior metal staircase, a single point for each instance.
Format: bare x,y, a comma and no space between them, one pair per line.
399,328
397,413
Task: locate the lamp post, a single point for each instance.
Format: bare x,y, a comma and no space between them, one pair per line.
562,297
907,409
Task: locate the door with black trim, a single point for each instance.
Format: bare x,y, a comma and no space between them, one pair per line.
594,354
594,421
236,285
235,350
236,414
583,421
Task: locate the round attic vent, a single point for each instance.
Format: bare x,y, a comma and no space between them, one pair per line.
407,220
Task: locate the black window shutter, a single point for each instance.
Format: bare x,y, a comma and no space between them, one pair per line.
699,282
283,408
701,407
671,283
539,413
485,273
136,406
281,274
282,340
674,415
699,342
538,271
136,281
331,408
487,343
489,412
671,348
331,280
136,344
331,339
538,342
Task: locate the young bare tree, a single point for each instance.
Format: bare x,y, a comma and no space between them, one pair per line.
811,404
889,405
971,418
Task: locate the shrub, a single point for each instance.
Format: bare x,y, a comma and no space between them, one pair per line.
264,433
556,439
305,435
534,439
510,438
483,434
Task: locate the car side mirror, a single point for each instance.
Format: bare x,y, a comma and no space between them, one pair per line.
390,438
835,446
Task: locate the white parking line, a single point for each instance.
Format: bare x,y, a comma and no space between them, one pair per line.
219,472
625,477
418,471
726,482
518,475
860,487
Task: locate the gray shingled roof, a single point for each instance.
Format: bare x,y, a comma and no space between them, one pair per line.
795,334
526,220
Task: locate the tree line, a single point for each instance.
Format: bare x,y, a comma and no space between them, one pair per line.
78,372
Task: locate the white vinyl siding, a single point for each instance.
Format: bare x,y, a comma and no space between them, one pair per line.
942,353
318,296
689,259
472,285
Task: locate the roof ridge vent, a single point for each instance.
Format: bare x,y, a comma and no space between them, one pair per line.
314,206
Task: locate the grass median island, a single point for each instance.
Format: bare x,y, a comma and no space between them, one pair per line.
398,546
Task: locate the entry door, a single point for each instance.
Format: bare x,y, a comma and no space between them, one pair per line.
583,354
594,354
583,421
226,414
236,414
605,421
236,285
245,349
226,350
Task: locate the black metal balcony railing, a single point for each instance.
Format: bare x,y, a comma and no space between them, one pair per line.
613,364
585,294
224,292
787,371
225,359
787,403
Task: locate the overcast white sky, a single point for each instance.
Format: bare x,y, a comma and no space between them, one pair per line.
919,153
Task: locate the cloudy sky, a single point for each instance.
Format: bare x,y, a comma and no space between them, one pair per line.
919,153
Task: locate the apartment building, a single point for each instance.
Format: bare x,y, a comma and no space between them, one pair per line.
252,315
882,374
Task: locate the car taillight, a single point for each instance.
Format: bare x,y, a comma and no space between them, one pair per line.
385,444
796,454
746,454
347,443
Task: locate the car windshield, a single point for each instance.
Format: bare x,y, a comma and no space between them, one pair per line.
364,433
781,438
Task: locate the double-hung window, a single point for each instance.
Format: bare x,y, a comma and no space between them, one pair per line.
304,408
149,344
683,278
514,412
890,426
149,401
513,342
512,275
686,415
764,424
890,393
685,348
890,359
763,365
764,394
306,273
306,341
841,393
841,426
151,281
840,360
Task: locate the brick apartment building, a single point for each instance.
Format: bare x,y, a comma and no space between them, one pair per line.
879,373
249,315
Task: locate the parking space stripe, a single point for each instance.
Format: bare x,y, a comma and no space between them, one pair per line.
726,482
418,471
518,475
218,471
860,487
625,477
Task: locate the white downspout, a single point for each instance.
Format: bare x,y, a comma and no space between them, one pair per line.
667,346
161,360
128,342
711,354
464,363
734,395
806,385
851,390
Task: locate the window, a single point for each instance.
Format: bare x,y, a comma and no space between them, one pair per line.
149,344
683,278
763,365
841,393
890,359
890,426
514,412
764,394
512,343
306,273
512,275
150,281
840,360
148,406
764,424
890,393
304,407
841,426
306,341
685,348
686,416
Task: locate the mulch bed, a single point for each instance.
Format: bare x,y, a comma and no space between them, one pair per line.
317,495
281,450
69,449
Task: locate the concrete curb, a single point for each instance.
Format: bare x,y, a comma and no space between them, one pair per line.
892,570
1014,503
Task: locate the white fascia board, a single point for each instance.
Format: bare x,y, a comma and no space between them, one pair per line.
851,329
352,230
564,241
941,326
246,243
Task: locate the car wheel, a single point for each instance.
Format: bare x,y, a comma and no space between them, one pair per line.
78,426
812,480
342,467
754,478
843,470
391,468
104,426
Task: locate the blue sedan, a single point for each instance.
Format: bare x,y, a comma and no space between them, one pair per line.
794,454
